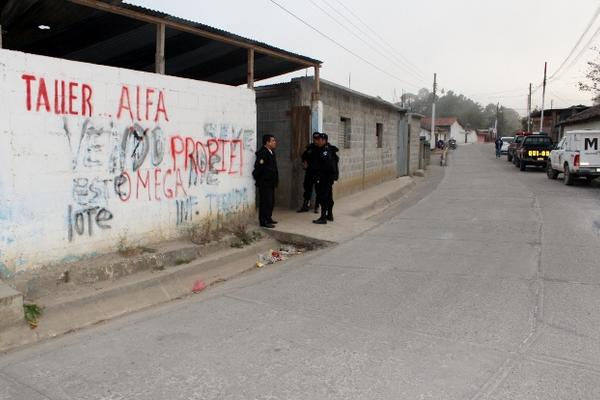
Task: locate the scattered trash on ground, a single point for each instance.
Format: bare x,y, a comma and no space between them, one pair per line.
273,256
199,286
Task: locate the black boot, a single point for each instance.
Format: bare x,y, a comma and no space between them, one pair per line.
323,219
330,216
304,207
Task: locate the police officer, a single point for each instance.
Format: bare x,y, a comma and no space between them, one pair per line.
327,172
267,177
310,173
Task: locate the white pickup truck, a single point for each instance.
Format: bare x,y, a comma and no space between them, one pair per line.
577,154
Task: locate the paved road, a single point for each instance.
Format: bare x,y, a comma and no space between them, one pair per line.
487,288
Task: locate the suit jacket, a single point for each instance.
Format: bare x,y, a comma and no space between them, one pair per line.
265,168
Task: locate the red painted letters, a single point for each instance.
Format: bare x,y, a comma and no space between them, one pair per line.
76,100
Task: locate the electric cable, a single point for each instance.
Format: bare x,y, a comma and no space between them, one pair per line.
342,46
367,43
375,32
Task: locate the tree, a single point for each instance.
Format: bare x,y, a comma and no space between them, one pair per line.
469,112
593,77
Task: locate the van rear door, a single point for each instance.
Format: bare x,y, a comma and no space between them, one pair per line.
588,144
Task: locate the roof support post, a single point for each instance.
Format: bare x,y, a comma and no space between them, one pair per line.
250,68
316,104
0,36
316,95
160,49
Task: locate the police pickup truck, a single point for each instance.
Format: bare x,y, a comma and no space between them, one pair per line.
533,150
576,155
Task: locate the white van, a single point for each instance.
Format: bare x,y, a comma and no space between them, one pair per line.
577,154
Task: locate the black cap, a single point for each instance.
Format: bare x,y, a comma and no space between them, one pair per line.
323,135
316,134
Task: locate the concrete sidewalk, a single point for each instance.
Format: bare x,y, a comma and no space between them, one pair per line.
171,270
351,214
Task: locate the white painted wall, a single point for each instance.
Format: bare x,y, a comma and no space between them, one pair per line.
75,180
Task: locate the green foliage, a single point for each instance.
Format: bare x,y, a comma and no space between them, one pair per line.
243,237
32,314
471,114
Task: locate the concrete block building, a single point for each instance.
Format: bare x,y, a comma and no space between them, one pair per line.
373,135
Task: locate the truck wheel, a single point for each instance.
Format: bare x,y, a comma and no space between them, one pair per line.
508,158
568,176
552,173
522,165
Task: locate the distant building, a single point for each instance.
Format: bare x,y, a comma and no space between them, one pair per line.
445,128
552,118
587,119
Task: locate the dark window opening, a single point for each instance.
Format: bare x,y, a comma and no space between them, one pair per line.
379,133
345,132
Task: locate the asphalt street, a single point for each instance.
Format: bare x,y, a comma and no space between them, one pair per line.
485,287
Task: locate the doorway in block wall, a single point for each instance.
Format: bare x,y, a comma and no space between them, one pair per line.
301,137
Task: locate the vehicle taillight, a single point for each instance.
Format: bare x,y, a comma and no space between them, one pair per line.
576,160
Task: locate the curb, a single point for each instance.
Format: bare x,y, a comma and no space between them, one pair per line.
381,204
133,294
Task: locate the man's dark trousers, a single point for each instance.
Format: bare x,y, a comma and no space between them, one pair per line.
266,201
324,188
310,178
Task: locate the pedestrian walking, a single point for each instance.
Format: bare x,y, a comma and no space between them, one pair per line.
266,177
309,162
327,173
498,143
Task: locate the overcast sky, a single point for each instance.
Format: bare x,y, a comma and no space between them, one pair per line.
487,50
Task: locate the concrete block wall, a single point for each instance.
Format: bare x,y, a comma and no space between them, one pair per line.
93,157
363,164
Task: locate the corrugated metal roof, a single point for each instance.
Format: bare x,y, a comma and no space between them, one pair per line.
112,37
591,113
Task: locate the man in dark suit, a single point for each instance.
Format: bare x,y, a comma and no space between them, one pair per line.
267,177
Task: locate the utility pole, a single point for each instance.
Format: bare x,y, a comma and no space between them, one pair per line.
496,122
529,110
543,98
433,106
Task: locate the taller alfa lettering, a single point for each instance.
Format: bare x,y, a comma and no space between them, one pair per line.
57,96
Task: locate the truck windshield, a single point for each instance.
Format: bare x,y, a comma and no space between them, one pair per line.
519,139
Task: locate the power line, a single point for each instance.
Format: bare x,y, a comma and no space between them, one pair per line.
586,30
342,46
582,51
402,57
364,41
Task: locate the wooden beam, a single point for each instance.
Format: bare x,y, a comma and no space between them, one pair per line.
100,5
160,49
250,68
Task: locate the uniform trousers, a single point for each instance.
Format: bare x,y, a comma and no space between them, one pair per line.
324,188
266,202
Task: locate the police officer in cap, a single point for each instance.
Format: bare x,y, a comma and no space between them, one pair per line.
309,162
267,178
327,172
